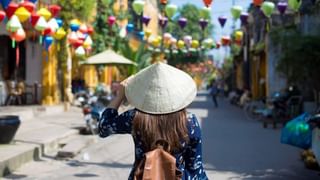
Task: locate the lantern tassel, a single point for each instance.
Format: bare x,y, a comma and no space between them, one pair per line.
40,39
17,56
13,43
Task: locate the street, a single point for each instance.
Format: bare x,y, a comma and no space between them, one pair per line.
233,148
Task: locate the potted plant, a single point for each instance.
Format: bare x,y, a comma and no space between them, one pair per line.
9,125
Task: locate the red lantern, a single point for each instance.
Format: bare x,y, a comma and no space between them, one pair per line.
218,45
90,30
12,7
2,15
207,2
225,41
77,43
48,32
28,5
111,20
18,36
238,42
34,18
54,9
257,2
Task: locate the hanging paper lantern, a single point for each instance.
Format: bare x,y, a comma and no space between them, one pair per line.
295,4
72,37
19,35
236,12
75,21
244,18
12,7
5,3
83,28
41,24
90,30
28,5
33,1
195,44
111,20
13,24
257,2
173,42
222,20
53,25
267,8
218,44
282,7
55,10
207,2
48,40
74,27
44,13
207,43
238,35
182,22
205,12
148,33
78,43
23,14
34,18
167,36
81,36
163,2
59,22
156,42
61,33
203,23
180,44
129,27
80,51
48,32
140,35
163,21
2,16
138,6
122,32
88,42
170,10
145,20
225,40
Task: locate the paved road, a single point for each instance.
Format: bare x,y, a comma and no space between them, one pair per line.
233,147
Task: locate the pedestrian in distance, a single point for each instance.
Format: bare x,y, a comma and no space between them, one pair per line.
214,91
160,94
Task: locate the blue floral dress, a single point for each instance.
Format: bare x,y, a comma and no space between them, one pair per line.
113,123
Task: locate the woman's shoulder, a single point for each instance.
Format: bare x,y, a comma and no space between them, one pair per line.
193,126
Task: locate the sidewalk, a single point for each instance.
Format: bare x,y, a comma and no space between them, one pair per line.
43,129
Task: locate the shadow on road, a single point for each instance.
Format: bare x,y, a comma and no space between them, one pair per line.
236,148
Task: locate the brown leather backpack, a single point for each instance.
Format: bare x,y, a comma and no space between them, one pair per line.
158,164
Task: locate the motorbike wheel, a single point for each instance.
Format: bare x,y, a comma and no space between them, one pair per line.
93,126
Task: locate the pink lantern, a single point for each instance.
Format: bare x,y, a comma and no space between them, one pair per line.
72,37
83,28
111,20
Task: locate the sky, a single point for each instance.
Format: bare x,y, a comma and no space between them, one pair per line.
218,8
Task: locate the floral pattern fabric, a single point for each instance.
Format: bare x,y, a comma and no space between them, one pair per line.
189,161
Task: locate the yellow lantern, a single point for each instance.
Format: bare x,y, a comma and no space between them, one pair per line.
59,34
239,35
156,42
195,44
148,33
75,21
44,13
23,14
180,44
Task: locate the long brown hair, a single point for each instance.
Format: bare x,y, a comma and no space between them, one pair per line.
170,127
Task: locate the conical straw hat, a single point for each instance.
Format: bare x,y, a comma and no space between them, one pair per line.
160,89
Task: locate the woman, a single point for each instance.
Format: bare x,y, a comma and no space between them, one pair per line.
160,94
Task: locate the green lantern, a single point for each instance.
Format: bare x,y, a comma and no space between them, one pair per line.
138,6
205,12
267,8
170,10
294,4
236,12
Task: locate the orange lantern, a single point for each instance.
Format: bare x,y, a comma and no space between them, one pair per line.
163,2
17,36
207,2
257,2
225,40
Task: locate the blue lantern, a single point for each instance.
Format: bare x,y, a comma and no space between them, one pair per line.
5,3
59,22
48,40
141,35
33,1
130,27
74,27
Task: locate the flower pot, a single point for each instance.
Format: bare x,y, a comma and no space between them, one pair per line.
8,128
